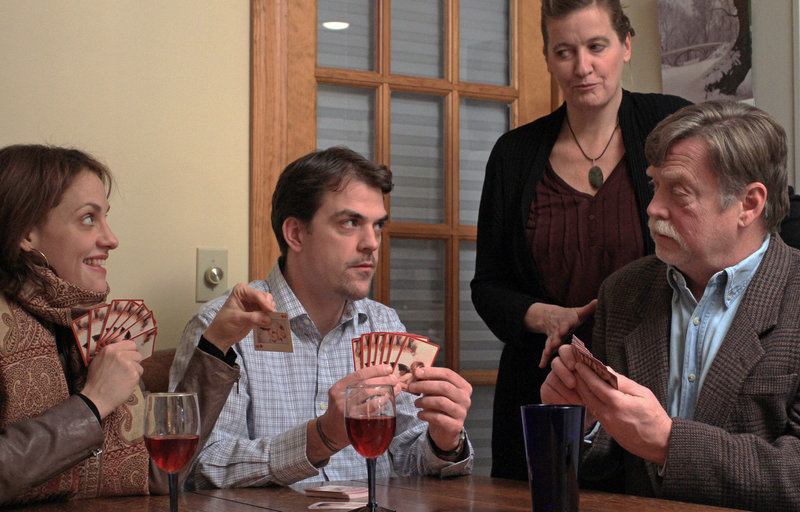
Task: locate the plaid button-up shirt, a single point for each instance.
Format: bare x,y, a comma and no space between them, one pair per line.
260,436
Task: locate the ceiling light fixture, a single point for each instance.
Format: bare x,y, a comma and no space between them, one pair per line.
335,25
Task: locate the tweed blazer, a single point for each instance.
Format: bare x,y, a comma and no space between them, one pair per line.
742,449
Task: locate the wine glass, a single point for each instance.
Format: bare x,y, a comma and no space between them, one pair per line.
171,434
370,417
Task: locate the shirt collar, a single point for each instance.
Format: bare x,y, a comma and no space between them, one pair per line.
734,278
287,301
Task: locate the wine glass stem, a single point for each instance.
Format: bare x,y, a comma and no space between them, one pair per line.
173,492
372,505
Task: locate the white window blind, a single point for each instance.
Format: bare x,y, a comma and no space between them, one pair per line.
417,40
417,158
417,287
346,116
352,47
484,41
481,123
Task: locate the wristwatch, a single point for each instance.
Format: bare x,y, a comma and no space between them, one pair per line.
450,455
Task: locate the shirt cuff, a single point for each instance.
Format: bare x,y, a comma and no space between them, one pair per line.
460,453
211,349
588,438
288,460
91,406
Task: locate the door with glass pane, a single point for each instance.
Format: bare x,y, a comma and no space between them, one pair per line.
426,87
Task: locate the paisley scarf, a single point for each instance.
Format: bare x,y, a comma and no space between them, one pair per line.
32,380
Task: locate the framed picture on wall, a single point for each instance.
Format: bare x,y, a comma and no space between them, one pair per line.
706,49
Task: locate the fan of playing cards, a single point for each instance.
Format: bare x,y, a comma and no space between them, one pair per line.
404,351
123,319
583,355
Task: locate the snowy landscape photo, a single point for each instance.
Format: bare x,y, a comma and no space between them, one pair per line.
706,49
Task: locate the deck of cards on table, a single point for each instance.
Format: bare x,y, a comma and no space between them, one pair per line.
404,351
123,319
346,492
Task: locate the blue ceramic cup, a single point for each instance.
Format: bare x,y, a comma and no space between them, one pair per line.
553,436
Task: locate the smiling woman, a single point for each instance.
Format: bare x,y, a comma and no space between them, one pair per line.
47,194
68,430
75,234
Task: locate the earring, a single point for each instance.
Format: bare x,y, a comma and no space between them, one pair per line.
46,263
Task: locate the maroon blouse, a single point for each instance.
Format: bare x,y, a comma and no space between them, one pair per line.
578,239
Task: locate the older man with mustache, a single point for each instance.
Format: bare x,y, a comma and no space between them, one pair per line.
705,335
284,420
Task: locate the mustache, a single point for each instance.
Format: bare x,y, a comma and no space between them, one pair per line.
355,263
664,228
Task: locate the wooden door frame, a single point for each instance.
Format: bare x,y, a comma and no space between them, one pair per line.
283,81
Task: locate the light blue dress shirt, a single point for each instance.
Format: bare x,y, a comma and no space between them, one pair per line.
260,436
698,328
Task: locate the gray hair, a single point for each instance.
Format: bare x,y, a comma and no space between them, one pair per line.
744,145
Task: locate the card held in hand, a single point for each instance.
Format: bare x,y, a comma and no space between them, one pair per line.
123,319
405,352
275,338
583,355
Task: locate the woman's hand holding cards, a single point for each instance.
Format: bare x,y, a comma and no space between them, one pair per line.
113,375
244,309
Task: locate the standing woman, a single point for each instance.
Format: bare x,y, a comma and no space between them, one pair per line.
563,206
67,430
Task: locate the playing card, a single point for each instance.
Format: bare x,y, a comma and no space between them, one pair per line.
80,328
124,313
367,349
338,491
146,342
583,355
115,310
356,353
97,317
399,340
104,324
418,352
143,323
135,313
382,345
373,348
275,338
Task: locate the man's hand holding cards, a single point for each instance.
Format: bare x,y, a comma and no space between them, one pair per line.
583,355
405,352
275,338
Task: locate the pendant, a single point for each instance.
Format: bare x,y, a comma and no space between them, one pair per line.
595,177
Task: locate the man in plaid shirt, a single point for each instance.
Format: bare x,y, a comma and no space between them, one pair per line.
284,421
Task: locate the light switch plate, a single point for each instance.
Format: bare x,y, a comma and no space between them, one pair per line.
206,259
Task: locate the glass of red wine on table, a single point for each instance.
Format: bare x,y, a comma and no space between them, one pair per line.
171,433
370,417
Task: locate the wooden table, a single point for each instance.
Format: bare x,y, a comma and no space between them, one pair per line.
405,494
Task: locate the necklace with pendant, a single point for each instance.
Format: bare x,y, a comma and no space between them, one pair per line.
595,172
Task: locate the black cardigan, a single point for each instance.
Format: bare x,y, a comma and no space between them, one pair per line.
506,280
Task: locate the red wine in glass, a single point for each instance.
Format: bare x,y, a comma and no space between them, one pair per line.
171,434
371,436
370,419
171,452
